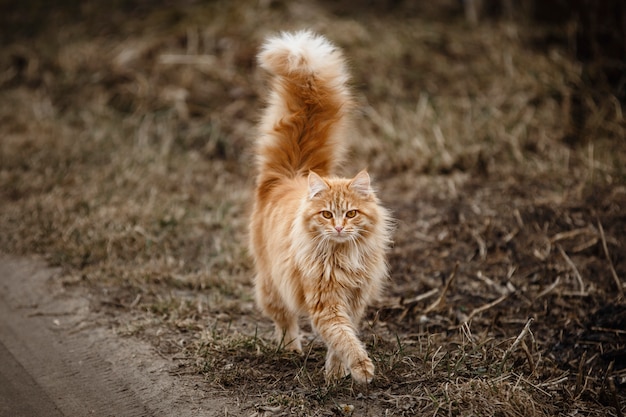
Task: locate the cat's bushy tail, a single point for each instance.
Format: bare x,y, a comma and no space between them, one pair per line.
308,108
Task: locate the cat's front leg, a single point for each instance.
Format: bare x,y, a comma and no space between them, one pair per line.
337,330
287,330
362,369
289,337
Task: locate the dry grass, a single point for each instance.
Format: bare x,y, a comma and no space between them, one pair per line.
125,159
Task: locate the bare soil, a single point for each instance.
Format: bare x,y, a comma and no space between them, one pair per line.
60,358
125,162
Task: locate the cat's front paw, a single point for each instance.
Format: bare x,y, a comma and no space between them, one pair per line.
362,371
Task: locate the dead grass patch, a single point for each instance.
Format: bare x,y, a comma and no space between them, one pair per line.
125,159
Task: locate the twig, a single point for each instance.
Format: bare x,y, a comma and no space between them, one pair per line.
557,381
409,305
423,236
487,306
421,297
135,301
518,218
502,289
482,246
605,329
549,288
585,245
529,357
571,264
580,377
620,289
433,365
537,387
517,341
570,234
439,300
614,397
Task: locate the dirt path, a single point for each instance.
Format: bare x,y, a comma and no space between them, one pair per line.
57,360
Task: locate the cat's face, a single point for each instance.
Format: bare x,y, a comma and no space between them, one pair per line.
341,210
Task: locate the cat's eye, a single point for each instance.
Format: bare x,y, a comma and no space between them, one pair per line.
350,213
327,214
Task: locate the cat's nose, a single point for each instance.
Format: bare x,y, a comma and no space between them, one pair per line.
338,228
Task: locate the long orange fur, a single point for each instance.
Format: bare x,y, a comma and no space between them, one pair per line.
318,241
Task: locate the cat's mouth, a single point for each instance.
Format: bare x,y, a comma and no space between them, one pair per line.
340,237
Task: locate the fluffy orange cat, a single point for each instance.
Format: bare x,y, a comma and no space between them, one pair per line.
318,241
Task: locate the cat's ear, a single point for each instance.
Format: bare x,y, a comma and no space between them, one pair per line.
361,183
316,184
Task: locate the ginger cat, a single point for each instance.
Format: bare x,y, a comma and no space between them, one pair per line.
318,241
